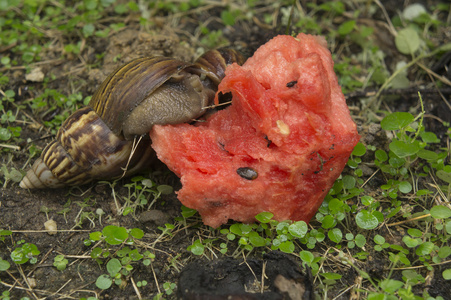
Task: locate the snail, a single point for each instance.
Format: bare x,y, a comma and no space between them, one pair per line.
108,138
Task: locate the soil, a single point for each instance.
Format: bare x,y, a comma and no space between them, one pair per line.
74,209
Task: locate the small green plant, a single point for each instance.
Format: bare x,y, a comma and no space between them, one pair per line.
4,233
10,174
83,214
116,270
166,231
142,193
60,262
169,288
26,253
141,283
310,260
268,233
115,235
120,261
197,248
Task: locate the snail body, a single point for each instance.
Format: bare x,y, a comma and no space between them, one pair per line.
109,138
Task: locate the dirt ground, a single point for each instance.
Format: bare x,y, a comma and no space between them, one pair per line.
75,209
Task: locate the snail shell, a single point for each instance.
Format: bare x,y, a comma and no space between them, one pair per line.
109,138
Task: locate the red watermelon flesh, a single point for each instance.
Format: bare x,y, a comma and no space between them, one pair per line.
288,124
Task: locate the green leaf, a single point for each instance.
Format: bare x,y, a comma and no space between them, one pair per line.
379,216
367,200
412,276
415,232
397,121
333,276
188,212
335,235
104,282
429,137
135,255
400,81
366,220
5,134
197,248
404,149
405,187
410,242
381,155
282,227
236,229
4,265
359,149
264,217
228,18
427,154
346,27
390,285
113,266
287,247
396,162
440,212
165,189
443,252
394,212
256,240
328,222
120,9
413,11
335,206
90,4
5,60
5,232
447,274
445,176
95,236
377,296
407,41
306,256
95,253
114,235
245,229
360,240
137,233
298,229
424,249
348,182
88,30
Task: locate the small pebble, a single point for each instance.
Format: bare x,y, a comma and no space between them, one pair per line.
35,75
51,226
155,216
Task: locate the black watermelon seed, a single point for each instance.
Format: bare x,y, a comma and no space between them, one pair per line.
292,83
247,173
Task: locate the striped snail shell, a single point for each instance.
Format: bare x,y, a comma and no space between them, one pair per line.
109,138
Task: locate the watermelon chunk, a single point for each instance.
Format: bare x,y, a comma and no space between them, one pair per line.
279,147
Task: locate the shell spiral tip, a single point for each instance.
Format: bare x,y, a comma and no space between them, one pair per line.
38,177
